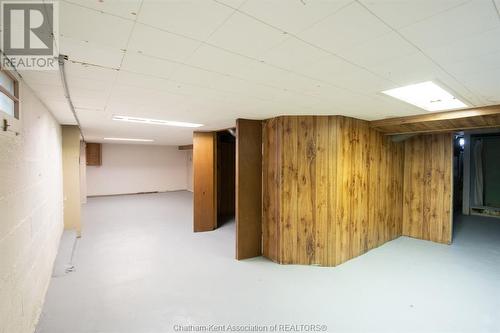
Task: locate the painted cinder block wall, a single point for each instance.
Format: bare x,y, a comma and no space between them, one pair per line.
31,219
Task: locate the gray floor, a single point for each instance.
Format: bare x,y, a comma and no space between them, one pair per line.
141,269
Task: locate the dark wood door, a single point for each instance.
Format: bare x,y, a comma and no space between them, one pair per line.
204,181
248,188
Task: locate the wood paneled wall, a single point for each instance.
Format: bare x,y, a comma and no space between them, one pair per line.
332,189
428,179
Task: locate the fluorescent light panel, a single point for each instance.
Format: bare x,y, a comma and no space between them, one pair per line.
155,121
129,139
426,95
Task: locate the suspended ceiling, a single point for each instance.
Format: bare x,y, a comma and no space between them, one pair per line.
211,62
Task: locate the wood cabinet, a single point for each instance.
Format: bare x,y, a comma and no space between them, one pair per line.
94,154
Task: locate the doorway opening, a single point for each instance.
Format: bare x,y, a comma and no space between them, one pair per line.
226,173
476,180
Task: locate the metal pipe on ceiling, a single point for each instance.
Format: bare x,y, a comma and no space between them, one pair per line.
64,81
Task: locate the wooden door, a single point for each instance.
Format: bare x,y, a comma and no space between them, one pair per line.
248,188
204,181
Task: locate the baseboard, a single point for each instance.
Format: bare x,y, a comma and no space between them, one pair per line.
136,193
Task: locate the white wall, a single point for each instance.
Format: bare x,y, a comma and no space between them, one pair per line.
130,168
31,219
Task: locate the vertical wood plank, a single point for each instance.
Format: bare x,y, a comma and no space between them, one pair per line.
322,190
306,195
332,192
290,225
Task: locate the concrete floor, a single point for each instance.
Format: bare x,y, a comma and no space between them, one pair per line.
141,269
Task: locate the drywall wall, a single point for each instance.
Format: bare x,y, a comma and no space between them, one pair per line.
31,213
71,178
130,168
332,189
428,179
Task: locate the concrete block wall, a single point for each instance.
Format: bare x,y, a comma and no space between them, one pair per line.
31,213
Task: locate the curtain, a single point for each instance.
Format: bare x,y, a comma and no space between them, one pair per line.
478,175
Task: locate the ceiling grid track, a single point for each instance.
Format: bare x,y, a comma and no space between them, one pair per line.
123,57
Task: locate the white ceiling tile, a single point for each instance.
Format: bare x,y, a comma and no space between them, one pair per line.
217,60
60,109
262,73
326,68
88,25
402,13
243,88
97,74
292,15
487,85
293,54
124,8
232,3
158,43
195,76
361,81
50,92
122,101
481,65
193,18
455,24
81,51
378,50
246,36
137,80
350,26
409,69
85,100
466,49
41,77
142,64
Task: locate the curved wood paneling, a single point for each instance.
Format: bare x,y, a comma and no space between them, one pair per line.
332,189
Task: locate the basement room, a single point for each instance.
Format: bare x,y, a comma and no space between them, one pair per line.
249,166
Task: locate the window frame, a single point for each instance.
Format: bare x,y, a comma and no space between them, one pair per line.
15,97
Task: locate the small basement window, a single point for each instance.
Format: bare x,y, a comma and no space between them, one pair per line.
9,94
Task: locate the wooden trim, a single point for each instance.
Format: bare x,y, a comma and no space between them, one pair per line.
448,115
442,122
7,93
435,131
185,147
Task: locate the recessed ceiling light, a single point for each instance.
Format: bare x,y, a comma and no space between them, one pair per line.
155,121
129,139
426,95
